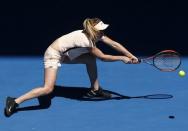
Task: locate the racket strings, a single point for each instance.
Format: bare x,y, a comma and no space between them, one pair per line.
167,61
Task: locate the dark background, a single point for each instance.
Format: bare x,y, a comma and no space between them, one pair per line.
142,26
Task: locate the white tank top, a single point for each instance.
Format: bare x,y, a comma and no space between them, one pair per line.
72,40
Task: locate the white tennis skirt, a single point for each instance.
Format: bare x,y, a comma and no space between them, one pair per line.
54,58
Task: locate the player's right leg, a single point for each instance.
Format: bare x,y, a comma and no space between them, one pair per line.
49,82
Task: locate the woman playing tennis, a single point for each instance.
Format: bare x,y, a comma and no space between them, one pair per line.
77,47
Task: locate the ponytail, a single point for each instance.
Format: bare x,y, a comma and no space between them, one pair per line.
89,29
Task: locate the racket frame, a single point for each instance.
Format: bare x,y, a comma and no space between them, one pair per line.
152,58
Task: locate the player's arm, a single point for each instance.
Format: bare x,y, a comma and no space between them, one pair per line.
99,54
118,47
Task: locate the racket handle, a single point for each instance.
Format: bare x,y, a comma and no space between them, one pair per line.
139,60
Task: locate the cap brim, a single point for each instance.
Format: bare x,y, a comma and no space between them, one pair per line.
101,26
104,27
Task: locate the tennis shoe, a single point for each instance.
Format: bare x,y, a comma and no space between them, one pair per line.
99,93
10,106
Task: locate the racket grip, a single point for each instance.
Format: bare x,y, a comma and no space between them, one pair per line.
139,60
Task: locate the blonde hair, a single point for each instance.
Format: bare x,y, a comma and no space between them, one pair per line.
89,29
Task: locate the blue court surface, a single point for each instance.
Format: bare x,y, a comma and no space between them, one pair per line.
66,110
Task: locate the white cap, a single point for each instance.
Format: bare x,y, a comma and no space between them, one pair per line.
101,26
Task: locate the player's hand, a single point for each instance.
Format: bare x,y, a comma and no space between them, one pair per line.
134,60
126,60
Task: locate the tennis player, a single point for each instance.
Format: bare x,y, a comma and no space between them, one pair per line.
76,47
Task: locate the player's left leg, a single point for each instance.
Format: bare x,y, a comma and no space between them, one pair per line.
91,66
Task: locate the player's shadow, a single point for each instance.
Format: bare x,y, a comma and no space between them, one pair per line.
77,93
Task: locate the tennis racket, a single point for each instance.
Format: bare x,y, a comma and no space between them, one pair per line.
166,60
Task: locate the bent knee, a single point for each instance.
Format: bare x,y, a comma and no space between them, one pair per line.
91,59
47,90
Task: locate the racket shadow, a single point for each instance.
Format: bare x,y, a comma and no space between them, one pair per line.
79,93
150,96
